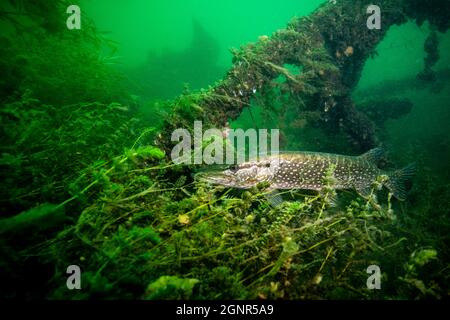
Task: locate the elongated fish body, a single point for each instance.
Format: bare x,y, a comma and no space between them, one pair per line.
309,170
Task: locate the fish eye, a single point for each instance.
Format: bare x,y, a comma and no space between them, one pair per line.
233,167
267,165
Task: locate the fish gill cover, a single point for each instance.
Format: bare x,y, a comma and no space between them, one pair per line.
88,184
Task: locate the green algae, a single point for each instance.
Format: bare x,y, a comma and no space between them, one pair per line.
87,181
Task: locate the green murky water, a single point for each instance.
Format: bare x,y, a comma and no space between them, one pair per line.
87,177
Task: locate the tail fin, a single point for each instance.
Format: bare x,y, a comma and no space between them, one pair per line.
397,180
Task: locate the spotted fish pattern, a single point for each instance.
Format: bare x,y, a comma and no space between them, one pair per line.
308,170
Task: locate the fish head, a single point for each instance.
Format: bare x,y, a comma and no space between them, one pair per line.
243,176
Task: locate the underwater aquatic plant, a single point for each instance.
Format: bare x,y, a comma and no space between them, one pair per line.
330,48
43,149
141,227
155,231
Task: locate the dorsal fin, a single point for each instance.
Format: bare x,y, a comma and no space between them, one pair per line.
374,155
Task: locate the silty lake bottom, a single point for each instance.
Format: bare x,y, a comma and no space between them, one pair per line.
93,207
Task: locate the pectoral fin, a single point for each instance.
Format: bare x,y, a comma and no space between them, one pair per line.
274,198
364,191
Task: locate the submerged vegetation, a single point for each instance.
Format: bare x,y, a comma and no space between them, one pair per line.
86,181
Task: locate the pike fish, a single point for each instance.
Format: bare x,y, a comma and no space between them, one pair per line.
308,170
